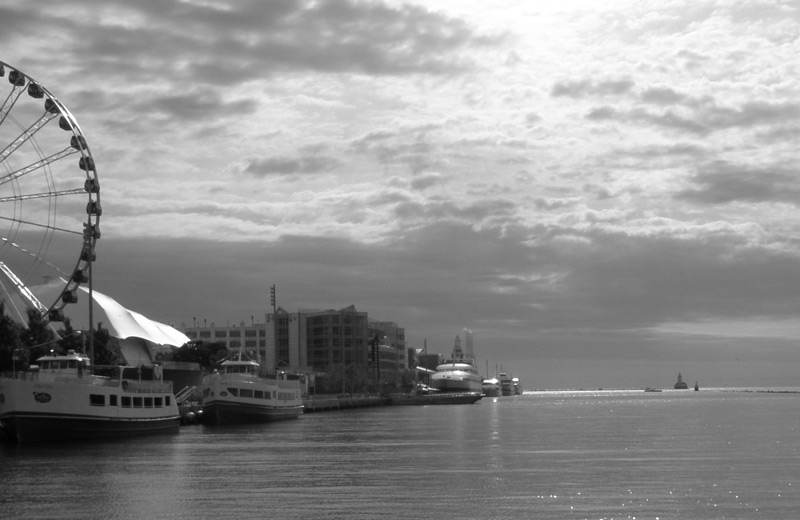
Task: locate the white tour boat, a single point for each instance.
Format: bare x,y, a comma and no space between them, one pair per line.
457,375
238,393
506,385
63,400
491,387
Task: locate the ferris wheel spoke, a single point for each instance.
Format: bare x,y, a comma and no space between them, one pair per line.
10,101
33,256
43,226
66,152
44,195
26,135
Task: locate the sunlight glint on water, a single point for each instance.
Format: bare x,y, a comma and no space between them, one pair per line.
567,455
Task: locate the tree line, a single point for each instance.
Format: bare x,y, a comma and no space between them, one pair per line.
21,345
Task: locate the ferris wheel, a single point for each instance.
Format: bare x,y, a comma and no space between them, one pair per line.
49,200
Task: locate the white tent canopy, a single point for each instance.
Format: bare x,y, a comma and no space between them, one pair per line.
124,323
141,339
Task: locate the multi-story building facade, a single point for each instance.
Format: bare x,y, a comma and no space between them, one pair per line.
313,340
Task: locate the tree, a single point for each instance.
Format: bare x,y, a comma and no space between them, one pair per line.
39,337
9,341
71,339
205,354
106,348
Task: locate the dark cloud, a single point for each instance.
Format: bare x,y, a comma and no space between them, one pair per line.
200,106
723,183
425,181
548,277
230,42
312,164
589,88
750,114
661,96
411,147
601,114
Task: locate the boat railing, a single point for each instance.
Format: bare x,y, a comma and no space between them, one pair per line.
146,387
185,394
142,387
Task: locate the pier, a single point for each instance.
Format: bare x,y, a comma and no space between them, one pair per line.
319,403
191,412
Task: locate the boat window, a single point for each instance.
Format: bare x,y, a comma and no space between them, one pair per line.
97,399
64,364
45,365
245,393
167,400
258,394
234,391
137,402
159,402
148,402
126,402
112,400
73,363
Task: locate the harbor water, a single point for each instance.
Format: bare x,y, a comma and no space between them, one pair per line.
711,454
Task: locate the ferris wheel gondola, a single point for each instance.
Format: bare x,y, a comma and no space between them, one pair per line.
49,199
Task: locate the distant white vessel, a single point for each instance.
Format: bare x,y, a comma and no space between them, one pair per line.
491,387
238,393
506,384
63,400
459,374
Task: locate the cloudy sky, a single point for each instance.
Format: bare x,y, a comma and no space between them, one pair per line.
606,193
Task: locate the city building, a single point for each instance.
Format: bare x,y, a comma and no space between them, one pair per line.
313,340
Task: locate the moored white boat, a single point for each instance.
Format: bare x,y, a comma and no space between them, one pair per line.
424,395
459,374
456,377
62,400
491,387
238,393
506,385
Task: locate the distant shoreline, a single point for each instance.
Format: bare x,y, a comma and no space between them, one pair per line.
756,390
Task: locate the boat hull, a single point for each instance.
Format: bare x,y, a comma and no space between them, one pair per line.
436,399
490,388
221,412
27,429
232,398
456,377
40,411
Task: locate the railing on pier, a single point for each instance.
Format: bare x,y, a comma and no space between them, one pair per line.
183,396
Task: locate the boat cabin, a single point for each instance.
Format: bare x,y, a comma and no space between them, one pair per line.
68,363
71,364
240,367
